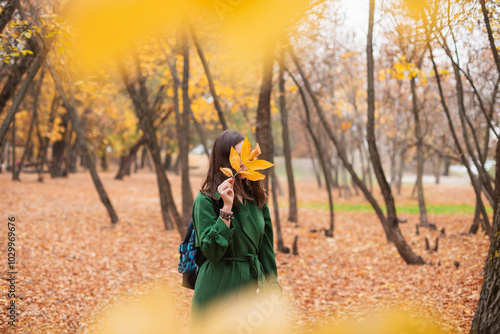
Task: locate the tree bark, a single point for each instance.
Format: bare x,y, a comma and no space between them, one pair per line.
18,169
14,78
18,98
491,39
485,319
7,12
58,148
73,114
127,162
187,194
53,109
497,179
420,156
292,198
399,183
104,160
201,135
143,111
392,219
340,150
315,169
474,180
13,167
483,173
437,168
393,163
210,79
263,123
279,235
477,220
321,157
72,155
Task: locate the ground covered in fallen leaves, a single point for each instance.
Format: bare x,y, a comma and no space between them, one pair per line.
70,263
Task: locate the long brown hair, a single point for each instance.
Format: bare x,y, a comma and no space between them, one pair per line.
251,190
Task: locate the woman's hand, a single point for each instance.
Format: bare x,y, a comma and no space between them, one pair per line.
227,193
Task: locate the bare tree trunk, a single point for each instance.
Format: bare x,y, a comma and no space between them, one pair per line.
401,170
474,181
127,162
36,94
73,114
53,108
14,78
187,194
392,220
104,160
484,177
58,148
340,151
72,155
279,235
369,185
211,85
263,124
13,168
201,135
292,198
497,179
315,169
362,162
345,181
18,98
16,171
491,39
3,149
67,149
437,168
446,169
8,155
321,158
143,111
7,13
485,319
420,156
477,220
356,191
393,162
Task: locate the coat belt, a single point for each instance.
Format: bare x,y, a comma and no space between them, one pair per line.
255,268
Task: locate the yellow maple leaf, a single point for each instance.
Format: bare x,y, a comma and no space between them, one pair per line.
234,159
246,163
258,164
227,171
246,148
255,152
253,175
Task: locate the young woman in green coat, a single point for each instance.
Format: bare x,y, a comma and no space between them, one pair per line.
238,241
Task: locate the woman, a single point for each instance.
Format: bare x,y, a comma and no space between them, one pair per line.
237,242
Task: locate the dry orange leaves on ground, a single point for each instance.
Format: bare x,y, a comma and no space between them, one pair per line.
70,264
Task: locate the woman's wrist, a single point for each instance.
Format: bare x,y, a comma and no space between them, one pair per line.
227,207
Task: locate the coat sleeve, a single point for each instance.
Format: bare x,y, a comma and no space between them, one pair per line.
266,252
212,234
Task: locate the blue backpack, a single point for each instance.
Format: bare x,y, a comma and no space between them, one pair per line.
191,257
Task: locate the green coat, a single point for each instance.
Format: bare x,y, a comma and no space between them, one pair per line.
238,256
